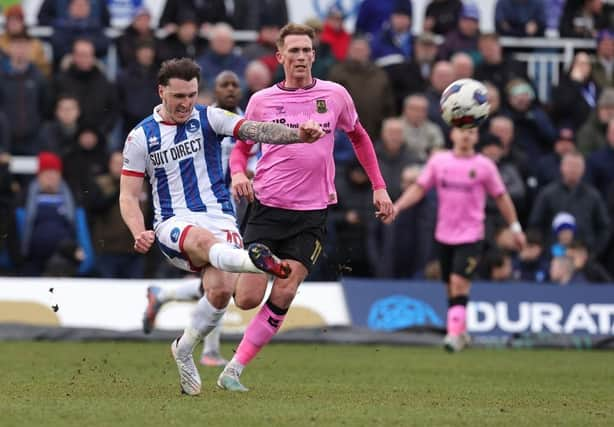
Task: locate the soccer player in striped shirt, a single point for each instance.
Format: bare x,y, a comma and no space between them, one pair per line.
293,187
178,148
463,179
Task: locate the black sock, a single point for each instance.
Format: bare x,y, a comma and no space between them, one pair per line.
275,309
459,300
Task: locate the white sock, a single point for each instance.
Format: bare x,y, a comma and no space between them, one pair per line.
226,258
212,341
236,365
205,317
183,292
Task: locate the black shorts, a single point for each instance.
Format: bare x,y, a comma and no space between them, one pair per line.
462,259
297,235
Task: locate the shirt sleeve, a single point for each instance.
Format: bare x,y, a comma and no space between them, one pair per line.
223,122
135,154
348,115
426,180
493,182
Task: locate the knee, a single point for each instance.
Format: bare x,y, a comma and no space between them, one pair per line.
219,297
247,302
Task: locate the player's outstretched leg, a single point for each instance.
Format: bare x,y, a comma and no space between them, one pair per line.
263,258
212,355
153,307
189,378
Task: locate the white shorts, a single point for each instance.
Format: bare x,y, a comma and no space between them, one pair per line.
170,235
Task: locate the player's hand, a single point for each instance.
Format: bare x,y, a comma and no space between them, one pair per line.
143,241
384,209
520,239
310,131
241,186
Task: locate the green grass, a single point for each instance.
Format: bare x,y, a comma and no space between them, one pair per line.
113,383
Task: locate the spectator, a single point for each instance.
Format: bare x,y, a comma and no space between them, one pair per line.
184,42
563,272
570,194
462,65
137,32
592,134
503,128
372,14
265,47
395,38
83,163
326,60
59,134
603,67
441,77
351,217
9,245
441,16
498,266
601,164
136,87
534,131
531,263
576,94
203,12
115,256
492,147
257,77
393,155
367,84
220,56
14,25
549,164
586,265
83,77
425,53
52,11
250,14
421,136
23,96
553,10
465,37
495,67
564,232
582,18
520,18
494,100
49,234
334,34
80,22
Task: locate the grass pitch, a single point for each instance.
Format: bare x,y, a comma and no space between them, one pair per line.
136,384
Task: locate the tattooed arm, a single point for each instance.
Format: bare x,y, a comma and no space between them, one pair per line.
278,134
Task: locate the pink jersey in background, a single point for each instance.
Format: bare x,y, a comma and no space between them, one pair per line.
300,176
462,185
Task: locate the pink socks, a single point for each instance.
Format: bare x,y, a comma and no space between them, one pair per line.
456,320
259,332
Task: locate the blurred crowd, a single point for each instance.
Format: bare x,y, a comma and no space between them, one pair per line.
60,103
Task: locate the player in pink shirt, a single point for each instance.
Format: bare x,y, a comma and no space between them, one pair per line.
293,187
463,180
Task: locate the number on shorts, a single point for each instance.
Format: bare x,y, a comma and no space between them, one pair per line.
234,238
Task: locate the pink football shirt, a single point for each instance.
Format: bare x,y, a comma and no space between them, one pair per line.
300,176
462,184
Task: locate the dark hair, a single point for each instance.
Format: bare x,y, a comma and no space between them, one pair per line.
184,69
292,29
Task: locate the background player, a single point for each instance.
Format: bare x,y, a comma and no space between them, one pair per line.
293,187
178,146
463,179
227,93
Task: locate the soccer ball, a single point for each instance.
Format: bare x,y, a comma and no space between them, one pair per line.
464,103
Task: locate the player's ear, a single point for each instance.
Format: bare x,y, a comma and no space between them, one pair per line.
279,57
160,91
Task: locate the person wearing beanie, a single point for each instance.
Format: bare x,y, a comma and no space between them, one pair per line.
49,230
564,230
592,134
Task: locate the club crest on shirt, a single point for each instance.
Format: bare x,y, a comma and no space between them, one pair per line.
192,125
472,173
321,106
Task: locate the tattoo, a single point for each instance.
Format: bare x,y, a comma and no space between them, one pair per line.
268,133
